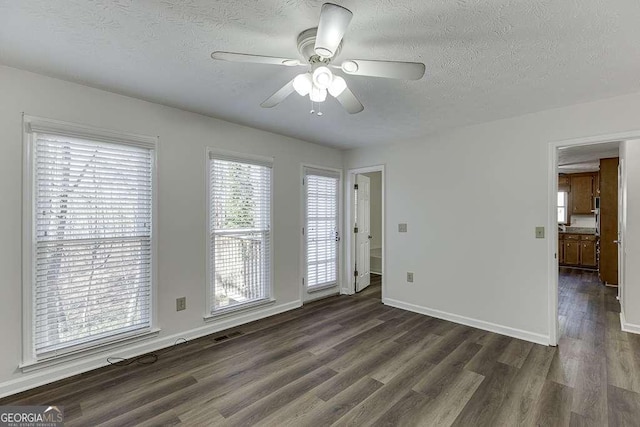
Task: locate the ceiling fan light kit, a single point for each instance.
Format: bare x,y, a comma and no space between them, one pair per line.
338,85
319,47
322,77
303,83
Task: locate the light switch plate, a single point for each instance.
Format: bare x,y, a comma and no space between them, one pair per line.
181,303
409,277
539,232
402,228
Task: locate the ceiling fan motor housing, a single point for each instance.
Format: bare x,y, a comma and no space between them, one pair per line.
306,44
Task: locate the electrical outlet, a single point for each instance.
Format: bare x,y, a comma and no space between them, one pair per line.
539,232
402,228
181,303
409,277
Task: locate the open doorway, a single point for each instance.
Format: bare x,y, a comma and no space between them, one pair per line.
365,240
369,237
587,236
588,233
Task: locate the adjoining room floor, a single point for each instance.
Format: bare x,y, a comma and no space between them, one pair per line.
353,361
374,290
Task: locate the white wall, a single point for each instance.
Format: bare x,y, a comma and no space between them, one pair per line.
375,197
588,221
181,204
472,198
630,155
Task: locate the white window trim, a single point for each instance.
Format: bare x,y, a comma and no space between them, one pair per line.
566,208
239,157
31,126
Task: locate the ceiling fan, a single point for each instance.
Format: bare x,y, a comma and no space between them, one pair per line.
319,46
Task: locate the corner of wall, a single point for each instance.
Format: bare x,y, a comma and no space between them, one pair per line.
474,323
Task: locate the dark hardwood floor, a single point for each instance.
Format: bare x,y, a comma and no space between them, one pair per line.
351,361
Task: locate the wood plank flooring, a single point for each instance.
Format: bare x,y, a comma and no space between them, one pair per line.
350,361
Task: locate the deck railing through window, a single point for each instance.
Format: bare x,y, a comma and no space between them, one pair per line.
241,275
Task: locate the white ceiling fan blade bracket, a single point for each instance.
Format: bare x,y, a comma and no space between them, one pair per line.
385,69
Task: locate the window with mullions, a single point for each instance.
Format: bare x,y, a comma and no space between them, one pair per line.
239,232
91,255
563,198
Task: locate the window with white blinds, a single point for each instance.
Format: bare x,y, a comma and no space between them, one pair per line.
321,229
92,236
239,231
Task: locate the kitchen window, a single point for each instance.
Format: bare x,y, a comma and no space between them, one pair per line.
239,232
89,266
563,207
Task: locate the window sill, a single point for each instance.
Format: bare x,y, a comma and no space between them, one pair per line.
34,365
238,309
321,288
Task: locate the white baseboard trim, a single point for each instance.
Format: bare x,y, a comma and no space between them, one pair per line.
78,366
475,323
628,327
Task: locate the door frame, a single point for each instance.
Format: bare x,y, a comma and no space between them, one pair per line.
348,285
325,291
552,223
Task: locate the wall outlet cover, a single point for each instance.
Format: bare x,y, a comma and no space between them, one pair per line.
181,303
409,277
539,232
402,228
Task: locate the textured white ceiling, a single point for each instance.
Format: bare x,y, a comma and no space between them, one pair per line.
586,158
486,59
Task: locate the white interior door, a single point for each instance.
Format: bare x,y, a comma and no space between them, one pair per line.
363,236
321,232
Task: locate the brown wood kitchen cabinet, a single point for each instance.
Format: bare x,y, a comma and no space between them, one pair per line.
564,183
560,250
588,255
582,193
608,256
571,250
578,250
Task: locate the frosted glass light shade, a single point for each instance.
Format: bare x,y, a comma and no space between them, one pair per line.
303,84
318,94
322,77
338,85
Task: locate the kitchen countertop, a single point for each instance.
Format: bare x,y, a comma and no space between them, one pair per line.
578,230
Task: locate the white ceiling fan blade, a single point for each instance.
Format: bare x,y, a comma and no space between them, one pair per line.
387,69
349,102
257,59
279,96
334,21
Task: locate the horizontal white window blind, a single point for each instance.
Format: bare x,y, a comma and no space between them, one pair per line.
240,246
93,248
321,228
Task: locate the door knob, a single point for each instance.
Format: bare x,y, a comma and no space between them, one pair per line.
617,242
370,237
